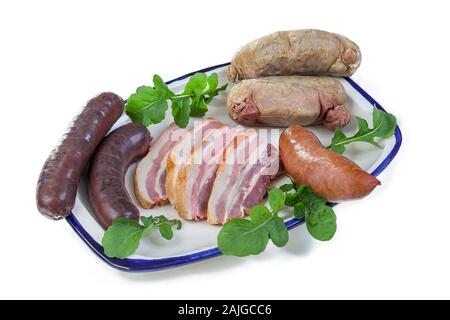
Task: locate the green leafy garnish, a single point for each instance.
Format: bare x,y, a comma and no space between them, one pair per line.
384,124
149,104
242,237
123,236
320,218
321,222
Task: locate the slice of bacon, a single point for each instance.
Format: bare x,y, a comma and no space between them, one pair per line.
242,180
150,176
197,175
181,153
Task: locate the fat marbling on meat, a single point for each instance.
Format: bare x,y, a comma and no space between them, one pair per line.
243,178
150,177
182,151
197,174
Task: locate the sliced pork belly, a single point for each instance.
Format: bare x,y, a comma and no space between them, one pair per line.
181,154
197,175
242,180
150,176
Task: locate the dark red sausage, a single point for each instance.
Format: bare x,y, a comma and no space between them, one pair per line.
58,182
107,191
329,174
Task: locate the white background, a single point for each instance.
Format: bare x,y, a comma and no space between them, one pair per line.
55,55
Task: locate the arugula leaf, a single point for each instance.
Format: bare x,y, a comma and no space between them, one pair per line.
242,237
268,223
216,92
260,214
160,219
277,231
338,137
213,81
384,125
196,84
320,218
311,199
321,223
385,122
149,104
292,198
166,231
300,210
287,187
202,89
123,236
162,87
180,111
198,106
148,222
276,200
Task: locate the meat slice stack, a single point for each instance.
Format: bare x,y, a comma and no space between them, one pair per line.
150,177
196,176
243,178
211,171
181,154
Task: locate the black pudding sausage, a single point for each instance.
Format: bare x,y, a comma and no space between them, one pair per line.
107,192
59,178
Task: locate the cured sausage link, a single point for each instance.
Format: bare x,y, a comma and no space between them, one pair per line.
59,178
329,174
107,192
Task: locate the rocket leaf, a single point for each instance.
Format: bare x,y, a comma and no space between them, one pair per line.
148,105
384,125
123,236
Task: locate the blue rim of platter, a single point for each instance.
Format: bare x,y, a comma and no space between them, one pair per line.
143,265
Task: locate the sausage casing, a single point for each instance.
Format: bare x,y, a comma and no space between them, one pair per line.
59,178
287,100
300,52
107,192
329,174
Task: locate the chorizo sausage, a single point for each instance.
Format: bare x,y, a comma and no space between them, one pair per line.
59,178
329,174
287,100
300,52
107,192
